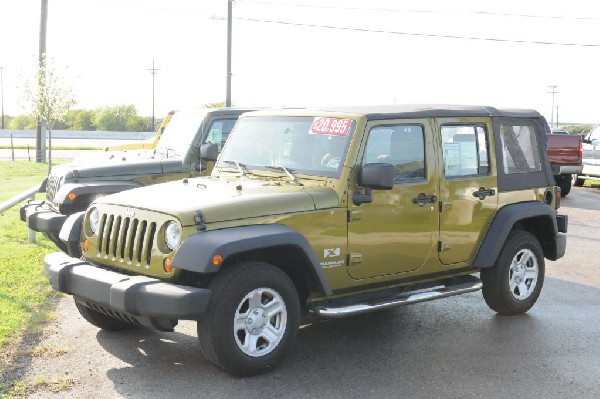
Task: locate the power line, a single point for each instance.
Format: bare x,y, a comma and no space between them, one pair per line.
391,32
415,34
417,11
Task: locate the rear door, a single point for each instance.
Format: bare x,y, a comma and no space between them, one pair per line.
468,187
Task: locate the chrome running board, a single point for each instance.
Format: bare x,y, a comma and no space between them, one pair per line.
406,298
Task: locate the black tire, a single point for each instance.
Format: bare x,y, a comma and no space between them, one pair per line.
564,182
245,350
578,182
57,241
513,284
101,320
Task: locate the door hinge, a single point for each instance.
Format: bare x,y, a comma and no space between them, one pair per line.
354,259
355,215
444,246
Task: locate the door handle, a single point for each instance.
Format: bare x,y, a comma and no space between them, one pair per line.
423,199
483,192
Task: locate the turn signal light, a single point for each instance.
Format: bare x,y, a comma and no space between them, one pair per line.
85,246
72,196
217,260
167,265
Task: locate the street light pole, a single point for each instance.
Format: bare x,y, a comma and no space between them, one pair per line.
153,71
229,28
2,92
553,92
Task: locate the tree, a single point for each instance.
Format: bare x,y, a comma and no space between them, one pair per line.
114,118
79,119
219,104
48,98
22,122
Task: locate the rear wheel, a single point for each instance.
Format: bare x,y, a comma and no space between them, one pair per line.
513,284
564,182
101,320
252,318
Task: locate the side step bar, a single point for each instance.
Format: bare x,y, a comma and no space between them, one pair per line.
407,298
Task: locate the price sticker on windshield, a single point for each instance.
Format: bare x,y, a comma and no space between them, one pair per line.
331,126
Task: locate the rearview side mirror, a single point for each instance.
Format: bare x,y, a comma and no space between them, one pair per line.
374,176
209,152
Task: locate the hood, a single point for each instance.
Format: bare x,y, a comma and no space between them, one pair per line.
220,200
120,164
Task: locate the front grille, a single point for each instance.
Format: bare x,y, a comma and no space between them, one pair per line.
126,239
52,187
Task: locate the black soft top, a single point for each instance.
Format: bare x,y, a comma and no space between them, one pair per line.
378,112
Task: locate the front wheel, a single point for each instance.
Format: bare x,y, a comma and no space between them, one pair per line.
513,284
57,241
252,318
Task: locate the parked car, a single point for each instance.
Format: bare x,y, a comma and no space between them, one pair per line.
182,150
332,211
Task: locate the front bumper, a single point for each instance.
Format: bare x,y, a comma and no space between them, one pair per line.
132,295
40,218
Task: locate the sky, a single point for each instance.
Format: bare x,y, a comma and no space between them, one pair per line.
312,53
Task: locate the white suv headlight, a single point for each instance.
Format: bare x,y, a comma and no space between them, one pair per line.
172,234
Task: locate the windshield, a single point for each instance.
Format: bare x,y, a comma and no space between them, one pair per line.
180,133
306,145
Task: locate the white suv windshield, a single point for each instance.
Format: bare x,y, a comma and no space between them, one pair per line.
180,133
306,145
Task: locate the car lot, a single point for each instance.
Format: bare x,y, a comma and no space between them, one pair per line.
454,348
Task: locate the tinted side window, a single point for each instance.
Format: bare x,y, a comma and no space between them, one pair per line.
519,149
219,131
465,150
402,146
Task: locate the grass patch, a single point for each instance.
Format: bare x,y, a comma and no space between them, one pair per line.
45,350
591,183
24,288
55,385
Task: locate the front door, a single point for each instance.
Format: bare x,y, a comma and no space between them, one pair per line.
398,231
468,199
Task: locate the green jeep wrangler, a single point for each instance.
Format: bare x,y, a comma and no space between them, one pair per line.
333,212
181,151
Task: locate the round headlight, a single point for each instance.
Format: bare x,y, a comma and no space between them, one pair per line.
94,220
172,234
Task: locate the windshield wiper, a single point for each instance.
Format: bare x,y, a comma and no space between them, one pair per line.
287,172
238,165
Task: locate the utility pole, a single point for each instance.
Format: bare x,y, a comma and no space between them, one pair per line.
153,71
2,92
229,23
40,147
553,92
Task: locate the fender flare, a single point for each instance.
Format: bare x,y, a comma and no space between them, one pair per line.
503,223
101,187
196,252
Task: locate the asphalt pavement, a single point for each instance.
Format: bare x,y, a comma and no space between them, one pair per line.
451,348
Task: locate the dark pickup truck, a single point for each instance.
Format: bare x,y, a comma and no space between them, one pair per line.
564,153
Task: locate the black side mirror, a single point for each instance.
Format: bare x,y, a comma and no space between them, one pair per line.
374,176
209,152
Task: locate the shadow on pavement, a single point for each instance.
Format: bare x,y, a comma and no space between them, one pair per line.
455,347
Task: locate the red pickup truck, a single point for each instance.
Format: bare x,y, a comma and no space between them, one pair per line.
564,153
